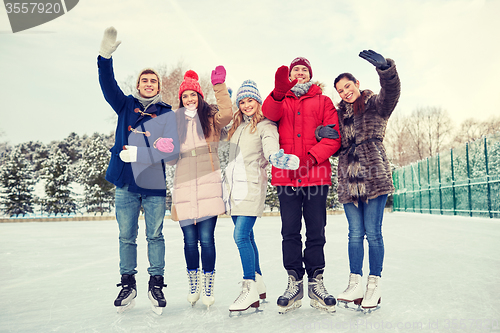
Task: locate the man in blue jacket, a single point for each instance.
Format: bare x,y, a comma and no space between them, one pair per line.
145,138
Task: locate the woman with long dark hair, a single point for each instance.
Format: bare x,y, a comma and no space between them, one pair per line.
364,173
197,194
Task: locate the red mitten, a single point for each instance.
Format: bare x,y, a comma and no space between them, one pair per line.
164,145
282,83
306,163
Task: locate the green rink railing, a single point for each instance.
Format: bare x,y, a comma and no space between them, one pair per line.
464,181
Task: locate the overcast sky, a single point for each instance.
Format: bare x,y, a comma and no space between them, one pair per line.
446,53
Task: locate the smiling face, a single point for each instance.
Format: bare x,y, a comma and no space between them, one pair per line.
301,73
348,90
248,106
148,85
190,99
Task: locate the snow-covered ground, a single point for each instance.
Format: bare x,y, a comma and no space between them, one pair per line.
441,274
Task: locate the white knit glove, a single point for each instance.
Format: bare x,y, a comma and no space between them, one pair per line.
109,43
129,154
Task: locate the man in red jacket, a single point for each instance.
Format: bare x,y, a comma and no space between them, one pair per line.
298,106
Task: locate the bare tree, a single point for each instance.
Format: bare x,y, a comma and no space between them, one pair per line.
472,129
170,83
396,140
426,132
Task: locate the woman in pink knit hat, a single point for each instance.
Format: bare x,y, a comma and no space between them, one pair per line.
197,194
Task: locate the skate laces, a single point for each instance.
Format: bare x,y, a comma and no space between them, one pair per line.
209,283
293,287
245,287
353,282
157,292
320,289
193,280
126,290
370,288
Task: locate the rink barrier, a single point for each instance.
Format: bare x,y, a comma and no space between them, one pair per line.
464,181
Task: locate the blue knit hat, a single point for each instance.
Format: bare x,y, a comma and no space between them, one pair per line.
248,89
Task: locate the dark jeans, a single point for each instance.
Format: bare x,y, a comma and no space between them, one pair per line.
309,202
203,233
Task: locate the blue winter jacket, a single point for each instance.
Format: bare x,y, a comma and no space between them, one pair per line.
147,175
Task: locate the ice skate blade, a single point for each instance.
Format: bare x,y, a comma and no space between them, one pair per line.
127,307
349,306
239,313
370,310
317,305
284,309
156,309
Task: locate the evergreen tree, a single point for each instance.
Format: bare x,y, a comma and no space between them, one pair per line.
494,155
16,179
98,192
272,193
332,201
72,146
35,153
56,171
4,148
169,177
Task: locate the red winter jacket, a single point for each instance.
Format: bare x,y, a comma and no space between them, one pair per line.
297,120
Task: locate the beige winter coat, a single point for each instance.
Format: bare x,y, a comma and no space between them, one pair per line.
245,181
197,181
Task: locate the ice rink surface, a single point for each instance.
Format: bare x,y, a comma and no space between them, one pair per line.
441,274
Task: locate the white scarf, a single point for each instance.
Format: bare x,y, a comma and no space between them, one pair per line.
190,113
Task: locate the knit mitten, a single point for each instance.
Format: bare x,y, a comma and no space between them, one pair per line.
282,83
129,154
164,145
109,43
284,161
218,75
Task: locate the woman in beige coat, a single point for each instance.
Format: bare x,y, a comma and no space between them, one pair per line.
253,143
197,194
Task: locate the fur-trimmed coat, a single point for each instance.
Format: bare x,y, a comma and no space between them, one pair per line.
363,170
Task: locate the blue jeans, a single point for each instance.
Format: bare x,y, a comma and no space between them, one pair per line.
245,241
128,207
202,232
366,219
